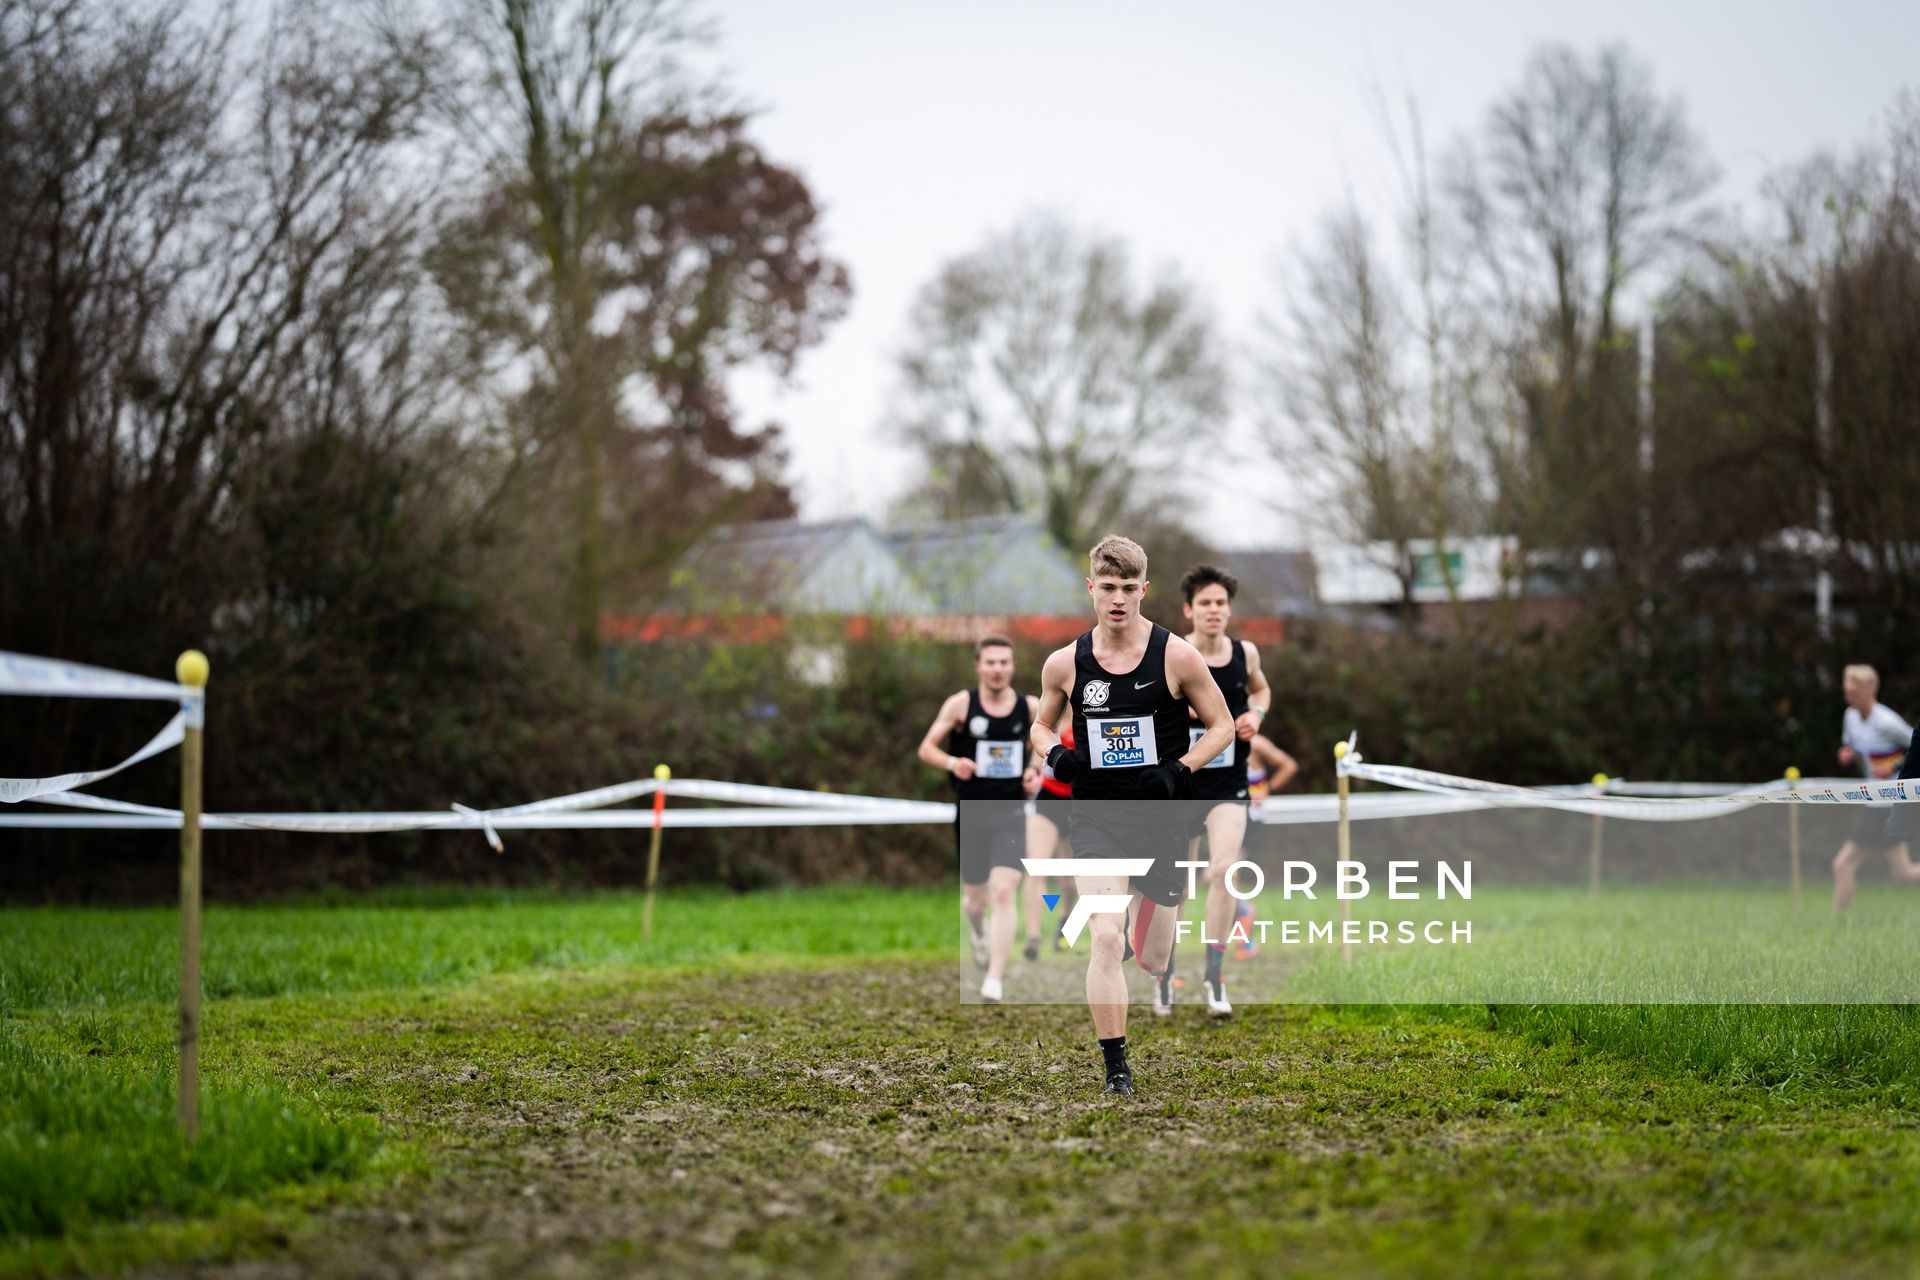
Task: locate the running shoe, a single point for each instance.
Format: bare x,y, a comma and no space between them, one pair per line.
1033,949
1163,997
979,938
1120,1083
991,990
1217,1003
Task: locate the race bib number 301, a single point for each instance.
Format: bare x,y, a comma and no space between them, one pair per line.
1121,742
1222,761
998,759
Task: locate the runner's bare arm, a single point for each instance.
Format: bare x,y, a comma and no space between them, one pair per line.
1279,765
1056,685
1189,678
1259,696
1030,779
931,752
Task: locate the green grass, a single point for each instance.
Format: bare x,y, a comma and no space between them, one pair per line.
88,1136
1641,944
66,957
1804,1047
84,1140
516,1084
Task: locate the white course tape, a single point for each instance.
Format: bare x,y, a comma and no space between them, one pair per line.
15,790
748,793
1638,808
473,820
51,678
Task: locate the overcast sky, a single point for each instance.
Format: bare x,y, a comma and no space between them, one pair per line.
1208,135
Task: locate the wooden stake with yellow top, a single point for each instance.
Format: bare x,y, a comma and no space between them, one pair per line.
191,671
1793,834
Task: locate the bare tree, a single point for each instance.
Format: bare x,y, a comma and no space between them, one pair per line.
209,261
627,244
1340,369
1036,377
1583,181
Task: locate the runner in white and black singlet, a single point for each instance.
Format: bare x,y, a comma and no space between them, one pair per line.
1235,664
1128,683
1873,739
980,738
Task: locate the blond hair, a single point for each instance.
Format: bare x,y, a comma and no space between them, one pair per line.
1117,557
1861,674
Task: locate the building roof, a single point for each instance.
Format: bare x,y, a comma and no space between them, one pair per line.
1275,581
796,566
999,564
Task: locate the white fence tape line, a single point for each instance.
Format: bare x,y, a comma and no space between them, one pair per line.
748,793
1325,807
598,798
1842,791
51,678
590,820
15,790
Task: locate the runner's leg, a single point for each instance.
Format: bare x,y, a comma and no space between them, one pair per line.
1226,833
1042,838
1901,865
1846,869
1106,981
1001,888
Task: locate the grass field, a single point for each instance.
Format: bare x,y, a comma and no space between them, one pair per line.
508,1084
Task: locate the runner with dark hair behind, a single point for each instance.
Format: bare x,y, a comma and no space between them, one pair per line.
1207,593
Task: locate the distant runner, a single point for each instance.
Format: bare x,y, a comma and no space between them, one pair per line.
980,737
1874,737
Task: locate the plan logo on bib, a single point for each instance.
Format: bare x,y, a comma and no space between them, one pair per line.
1095,694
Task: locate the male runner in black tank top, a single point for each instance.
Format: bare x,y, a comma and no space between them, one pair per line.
1129,683
980,738
1222,781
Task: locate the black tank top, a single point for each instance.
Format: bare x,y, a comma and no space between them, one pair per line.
1232,679
1124,724
1228,778
997,745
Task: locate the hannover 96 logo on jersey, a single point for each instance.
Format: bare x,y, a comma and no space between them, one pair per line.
1094,695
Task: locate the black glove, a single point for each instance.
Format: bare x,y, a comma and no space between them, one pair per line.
1168,780
1065,764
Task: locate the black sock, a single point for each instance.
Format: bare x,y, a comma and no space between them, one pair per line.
1215,954
1115,1052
